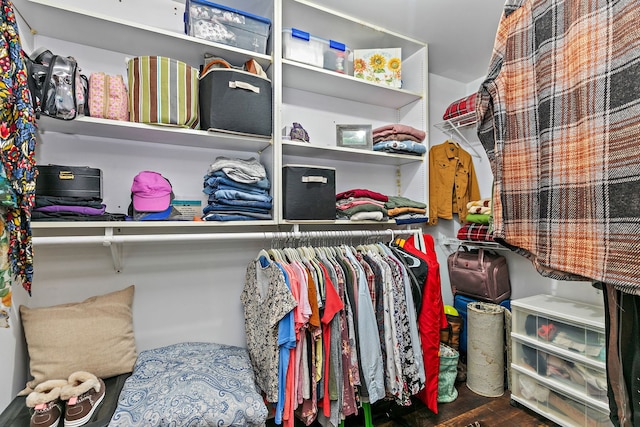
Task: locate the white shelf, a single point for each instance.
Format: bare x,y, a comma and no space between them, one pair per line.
451,241
323,97
98,26
48,17
357,34
142,225
105,128
347,154
337,222
297,75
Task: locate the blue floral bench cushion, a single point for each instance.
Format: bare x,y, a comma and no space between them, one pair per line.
191,384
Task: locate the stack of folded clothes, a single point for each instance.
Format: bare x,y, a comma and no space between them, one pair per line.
361,204
476,226
479,211
401,139
69,208
406,211
238,190
475,232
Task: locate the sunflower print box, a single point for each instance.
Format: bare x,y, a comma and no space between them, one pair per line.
382,66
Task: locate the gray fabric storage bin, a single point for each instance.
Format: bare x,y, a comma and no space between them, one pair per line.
235,100
309,192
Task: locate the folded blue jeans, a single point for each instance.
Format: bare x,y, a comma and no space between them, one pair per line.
241,195
263,183
228,208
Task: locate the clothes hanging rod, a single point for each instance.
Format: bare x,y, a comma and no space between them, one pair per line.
109,238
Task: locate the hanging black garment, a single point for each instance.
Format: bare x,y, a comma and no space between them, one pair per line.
622,329
417,270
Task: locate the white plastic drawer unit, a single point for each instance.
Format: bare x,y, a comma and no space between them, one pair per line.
572,329
589,381
558,406
558,361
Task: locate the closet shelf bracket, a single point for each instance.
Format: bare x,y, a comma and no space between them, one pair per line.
453,243
454,125
116,249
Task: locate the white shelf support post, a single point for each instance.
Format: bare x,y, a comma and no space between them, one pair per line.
116,249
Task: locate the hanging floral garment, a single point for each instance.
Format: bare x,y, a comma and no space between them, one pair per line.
17,146
5,276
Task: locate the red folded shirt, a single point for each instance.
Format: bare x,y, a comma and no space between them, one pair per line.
460,107
360,192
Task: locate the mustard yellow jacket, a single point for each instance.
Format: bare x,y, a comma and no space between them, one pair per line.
452,182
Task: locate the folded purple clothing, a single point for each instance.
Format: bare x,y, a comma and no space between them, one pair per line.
85,210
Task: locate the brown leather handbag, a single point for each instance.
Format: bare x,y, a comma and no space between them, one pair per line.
479,274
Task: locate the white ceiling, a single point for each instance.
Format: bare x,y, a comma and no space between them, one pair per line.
460,33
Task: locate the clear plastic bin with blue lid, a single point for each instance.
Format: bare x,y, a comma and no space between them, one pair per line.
301,46
218,23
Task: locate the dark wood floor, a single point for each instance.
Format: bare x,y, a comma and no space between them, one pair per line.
468,408
465,410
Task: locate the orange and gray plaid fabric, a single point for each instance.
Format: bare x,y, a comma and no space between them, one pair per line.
559,117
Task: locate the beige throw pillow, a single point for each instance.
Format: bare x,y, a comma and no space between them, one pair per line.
95,335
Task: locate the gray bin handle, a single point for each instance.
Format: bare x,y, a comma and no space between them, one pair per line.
243,85
320,179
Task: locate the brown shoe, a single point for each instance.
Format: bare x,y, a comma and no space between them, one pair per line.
83,395
45,403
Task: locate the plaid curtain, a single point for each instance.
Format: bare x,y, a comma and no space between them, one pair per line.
559,117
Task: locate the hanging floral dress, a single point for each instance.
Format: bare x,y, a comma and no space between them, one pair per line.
17,158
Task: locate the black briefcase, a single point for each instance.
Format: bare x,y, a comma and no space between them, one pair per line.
68,181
